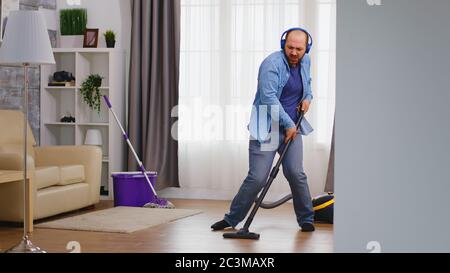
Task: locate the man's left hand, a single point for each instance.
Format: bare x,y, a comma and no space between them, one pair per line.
304,106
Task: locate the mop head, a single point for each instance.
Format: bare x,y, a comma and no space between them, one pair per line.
159,203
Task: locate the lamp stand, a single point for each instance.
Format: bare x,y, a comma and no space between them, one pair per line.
25,246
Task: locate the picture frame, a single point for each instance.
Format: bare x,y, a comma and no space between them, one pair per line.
90,38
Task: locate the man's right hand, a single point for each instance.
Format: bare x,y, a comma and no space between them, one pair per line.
290,133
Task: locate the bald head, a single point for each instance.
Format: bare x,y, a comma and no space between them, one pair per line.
297,35
295,49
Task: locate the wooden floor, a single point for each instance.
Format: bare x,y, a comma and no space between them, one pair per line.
278,228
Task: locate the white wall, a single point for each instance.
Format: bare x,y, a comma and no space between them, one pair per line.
392,126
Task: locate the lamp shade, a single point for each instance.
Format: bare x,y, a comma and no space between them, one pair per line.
26,39
93,137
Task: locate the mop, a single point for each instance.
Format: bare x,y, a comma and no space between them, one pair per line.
157,202
244,232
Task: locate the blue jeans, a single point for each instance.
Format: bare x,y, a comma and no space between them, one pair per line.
260,167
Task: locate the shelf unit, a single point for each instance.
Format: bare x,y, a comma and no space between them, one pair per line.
57,102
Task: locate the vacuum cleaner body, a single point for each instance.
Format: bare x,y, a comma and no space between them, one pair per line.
323,208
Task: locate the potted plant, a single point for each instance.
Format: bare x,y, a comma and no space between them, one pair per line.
110,37
72,26
90,90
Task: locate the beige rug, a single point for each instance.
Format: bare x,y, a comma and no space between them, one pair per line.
119,219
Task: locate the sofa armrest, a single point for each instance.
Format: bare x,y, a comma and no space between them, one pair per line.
14,162
88,156
16,148
12,193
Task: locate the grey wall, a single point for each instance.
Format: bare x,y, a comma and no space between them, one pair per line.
12,78
393,126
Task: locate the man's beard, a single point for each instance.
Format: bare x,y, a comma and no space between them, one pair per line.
294,62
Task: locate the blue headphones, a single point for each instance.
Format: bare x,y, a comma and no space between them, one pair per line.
308,46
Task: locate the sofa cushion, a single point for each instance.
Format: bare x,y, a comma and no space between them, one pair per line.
46,177
58,199
71,174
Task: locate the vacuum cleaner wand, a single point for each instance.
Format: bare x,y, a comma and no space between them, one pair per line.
159,203
244,233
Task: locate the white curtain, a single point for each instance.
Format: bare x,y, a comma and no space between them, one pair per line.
223,42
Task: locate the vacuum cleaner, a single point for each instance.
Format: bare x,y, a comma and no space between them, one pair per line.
323,206
244,232
157,202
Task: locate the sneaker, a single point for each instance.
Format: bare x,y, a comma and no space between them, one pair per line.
308,227
220,225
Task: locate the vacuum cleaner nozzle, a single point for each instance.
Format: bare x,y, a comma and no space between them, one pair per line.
241,234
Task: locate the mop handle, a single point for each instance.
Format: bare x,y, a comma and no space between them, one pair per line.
127,139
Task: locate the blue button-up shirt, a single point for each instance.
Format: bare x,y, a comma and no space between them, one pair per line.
274,73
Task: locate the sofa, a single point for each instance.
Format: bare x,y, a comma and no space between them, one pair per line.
63,178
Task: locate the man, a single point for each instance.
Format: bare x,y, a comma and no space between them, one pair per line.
284,88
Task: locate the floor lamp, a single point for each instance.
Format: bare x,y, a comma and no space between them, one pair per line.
26,42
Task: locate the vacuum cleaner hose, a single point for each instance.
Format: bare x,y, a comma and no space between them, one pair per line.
266,205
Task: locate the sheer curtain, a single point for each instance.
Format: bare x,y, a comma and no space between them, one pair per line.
222,45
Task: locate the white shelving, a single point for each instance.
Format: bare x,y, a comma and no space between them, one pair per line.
57,102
